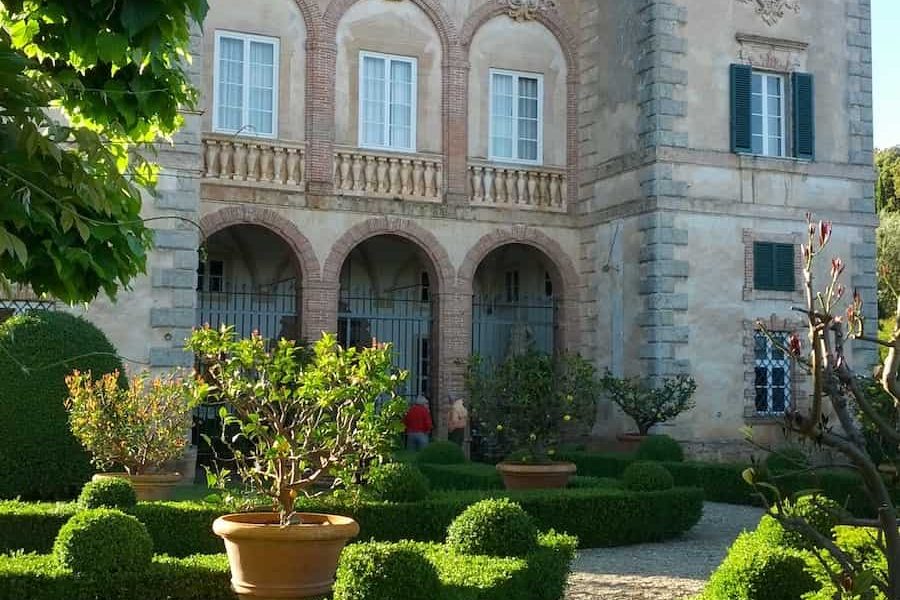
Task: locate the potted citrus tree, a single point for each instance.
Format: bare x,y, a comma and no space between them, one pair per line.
297,423
649,405
138,427
522,405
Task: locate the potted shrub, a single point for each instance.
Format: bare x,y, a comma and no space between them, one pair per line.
648,405
294,421
523,403
138,427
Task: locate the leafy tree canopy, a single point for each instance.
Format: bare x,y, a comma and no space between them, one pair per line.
82,83
887,186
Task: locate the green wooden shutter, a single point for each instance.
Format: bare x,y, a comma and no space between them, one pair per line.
741,109
763,261
804,116
784,257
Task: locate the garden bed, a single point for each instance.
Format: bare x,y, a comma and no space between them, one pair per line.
598,516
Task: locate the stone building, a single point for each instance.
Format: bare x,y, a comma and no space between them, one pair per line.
624,178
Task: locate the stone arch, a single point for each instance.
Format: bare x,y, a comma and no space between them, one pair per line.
403,228
567,40
271,220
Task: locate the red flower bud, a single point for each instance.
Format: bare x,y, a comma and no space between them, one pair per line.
804,249
837,267
824,232
795,346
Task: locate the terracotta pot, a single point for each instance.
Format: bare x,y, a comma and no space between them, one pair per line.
148,488
629,442
269,561
536,477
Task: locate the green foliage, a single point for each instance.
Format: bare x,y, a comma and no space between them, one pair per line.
397,482
888,253
297,416
523,403
820,513
103,543
598,516
648,405
786,460
114,492
887,185
660,448
880,448
39,577
383,571
441,453
861,546
139,427
495,528
469,476
39,457
757,570
69,188
647,477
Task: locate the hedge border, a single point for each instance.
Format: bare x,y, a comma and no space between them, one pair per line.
599,517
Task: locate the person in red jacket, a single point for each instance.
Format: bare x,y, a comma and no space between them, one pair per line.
418,424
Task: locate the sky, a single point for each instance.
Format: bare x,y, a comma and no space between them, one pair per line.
886,71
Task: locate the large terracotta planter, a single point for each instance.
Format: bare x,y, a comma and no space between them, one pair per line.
629,442
536,477
269,561
158,486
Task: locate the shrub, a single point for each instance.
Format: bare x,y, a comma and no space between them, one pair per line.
756,570
384,571
102,543
441,453
647,477
523,403
649,406
139,427
114,492
469,476
397,482
785,460
40,459
660,448
821,513
497,527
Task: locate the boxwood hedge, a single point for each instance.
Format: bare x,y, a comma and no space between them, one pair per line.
598,516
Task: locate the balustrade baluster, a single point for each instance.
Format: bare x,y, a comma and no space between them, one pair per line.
227,160
265,164
278,171
371,181
418,175
394,174
346,181
301,163
544,190
477,184
511,187
240,161
489,185
358,183
252,163
212,158
521,187
292,166
405,177
384,184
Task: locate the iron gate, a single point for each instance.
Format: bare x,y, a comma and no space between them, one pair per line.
403,319
500,328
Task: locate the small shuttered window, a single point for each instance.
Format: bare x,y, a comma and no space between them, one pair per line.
759,112
773,267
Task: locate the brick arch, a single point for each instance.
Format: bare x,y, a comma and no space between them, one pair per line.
551,19
404,228
303,251
312,17
442,22
567,40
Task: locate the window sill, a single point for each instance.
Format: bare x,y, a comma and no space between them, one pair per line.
754,295
759,419
388,149
245,134
757,158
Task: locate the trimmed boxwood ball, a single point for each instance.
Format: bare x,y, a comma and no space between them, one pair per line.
647,477
103,543
754,569
441,453
39,457
114,492
660,448
384,571
397,482
497,527
823,514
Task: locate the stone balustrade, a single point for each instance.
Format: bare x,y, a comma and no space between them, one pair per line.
519,187
253,160
387,175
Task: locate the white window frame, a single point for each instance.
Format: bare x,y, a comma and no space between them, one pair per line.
766,134
516,75
786,362
246,38
414,105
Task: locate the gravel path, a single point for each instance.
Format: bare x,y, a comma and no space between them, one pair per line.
672,570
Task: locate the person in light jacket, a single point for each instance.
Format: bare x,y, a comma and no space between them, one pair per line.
418,424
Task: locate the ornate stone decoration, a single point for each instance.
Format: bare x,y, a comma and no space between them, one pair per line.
526,10
773,54
772,11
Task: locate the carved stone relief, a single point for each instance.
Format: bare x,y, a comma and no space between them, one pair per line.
772,54
526,10
773,11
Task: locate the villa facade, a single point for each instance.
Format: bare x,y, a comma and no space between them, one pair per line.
627,179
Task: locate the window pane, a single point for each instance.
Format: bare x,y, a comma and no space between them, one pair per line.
757,124
757,144
528,150
401,104
760,347
756,104
762,400
774,85
778,400
774,106
757,83
775,146
373,94
778,376
231,83
502,111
